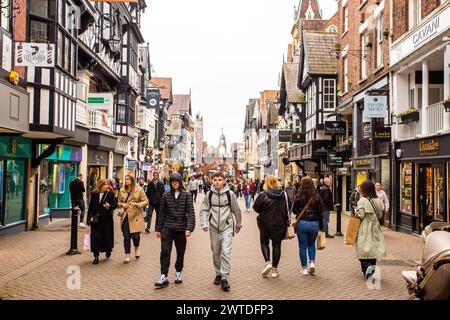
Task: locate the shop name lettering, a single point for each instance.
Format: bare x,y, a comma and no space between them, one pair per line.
427,30
429,146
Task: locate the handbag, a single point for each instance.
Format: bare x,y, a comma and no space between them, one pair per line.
351,233
290,232
122,210
321,241
95,218
87,239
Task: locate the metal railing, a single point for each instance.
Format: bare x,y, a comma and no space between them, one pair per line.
101,121
435,113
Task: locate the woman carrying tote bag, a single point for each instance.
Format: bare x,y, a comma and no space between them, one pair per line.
370,244
133,200
100,220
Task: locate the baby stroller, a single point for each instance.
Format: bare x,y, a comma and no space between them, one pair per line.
431,281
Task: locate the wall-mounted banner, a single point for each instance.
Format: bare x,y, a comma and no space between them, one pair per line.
338,128
284,135
101,101
31,54
375,107
153,98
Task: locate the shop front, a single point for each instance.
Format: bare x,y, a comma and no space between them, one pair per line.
14,155
57,171
423,168
97,167
118,171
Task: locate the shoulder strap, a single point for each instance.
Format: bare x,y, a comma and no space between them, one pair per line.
210,194
287,203
373,206
229,198
305,208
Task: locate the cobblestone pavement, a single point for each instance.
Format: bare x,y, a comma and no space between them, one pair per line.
33,266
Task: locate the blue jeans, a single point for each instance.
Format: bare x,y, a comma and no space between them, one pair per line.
326,219
306,234
248,200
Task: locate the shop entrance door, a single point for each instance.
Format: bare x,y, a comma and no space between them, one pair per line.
2,217
431,186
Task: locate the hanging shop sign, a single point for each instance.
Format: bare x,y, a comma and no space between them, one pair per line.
298,137
131,164
337,128
429,147
31,54
101,101
382,134
153,98
284,135
375,107
335,160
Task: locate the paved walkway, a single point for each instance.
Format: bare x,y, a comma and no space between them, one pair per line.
33,266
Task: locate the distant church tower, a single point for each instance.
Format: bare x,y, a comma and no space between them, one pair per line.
222,145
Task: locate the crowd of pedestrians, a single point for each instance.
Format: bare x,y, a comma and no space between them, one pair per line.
277,205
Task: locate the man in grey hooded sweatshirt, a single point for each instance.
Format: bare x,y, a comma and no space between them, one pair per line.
216,215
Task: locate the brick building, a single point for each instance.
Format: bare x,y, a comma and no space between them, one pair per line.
363,52
419,61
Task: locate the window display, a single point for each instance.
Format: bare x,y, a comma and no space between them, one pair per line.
406,184
439,196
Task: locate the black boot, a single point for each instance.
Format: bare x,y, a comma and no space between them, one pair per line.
218,280
108,255
95,260
225,285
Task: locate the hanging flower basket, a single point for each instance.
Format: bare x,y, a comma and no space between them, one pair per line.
447,105
408,116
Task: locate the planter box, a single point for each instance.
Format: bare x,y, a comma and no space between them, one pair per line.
412,117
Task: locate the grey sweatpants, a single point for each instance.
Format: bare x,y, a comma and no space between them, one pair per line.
221,248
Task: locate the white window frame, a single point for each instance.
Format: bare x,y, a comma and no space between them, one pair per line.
380,27
345,64
331,84
414,13
345,14
363,73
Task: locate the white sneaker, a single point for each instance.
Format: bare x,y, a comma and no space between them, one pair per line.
267,269
305,271
178,277
275,273
312,268
81,225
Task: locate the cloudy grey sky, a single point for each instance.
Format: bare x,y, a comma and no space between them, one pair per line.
224,51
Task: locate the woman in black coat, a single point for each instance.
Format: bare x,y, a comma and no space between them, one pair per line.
100,219
272,206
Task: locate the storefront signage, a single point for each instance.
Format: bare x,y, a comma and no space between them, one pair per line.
284,135
375,107
101,101
338,128
428,31
147,166
131,164
15,147
298,137
429,147
153,97
64,153
382,134
335,160
31,54
364,164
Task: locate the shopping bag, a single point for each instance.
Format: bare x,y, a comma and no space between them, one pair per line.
290,233
321,241
87,240
352,231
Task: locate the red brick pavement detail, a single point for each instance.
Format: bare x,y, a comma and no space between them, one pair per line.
337,276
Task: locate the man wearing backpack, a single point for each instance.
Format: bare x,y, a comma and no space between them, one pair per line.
216,216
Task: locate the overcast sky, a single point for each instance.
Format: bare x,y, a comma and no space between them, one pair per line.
224,51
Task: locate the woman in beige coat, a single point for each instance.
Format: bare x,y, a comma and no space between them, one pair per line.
133,200
370,244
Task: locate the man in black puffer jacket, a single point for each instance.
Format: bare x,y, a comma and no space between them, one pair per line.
175,222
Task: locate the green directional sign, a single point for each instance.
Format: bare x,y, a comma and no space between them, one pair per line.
101,101
96,100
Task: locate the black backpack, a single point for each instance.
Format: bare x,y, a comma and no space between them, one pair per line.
228,197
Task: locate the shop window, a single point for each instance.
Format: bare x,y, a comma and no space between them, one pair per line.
60,174
406,185
439,195
15,190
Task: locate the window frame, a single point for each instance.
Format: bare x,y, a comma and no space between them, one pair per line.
380,26
345,20
327,95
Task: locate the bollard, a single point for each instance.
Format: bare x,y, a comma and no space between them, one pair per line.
338,220
74,233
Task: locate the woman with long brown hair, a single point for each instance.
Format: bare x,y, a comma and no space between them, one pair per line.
272,208
133,200
309,224
370,244
100,219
